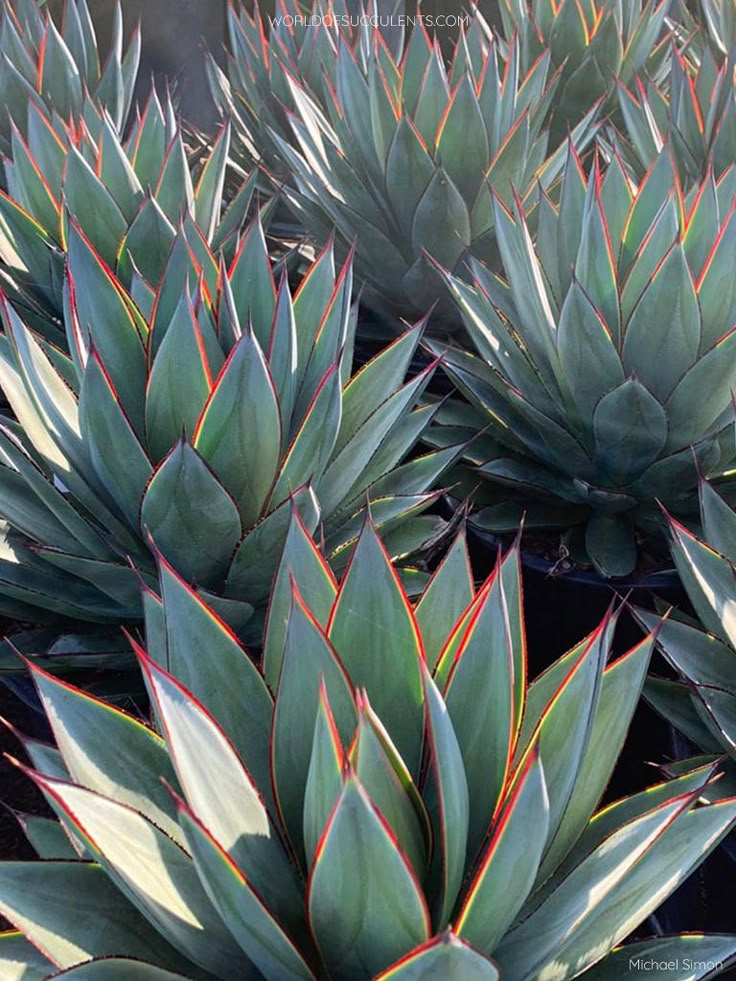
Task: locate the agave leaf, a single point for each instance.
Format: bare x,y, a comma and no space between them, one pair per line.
93,207
445,599
308,662
72,911
147,243
58,79
204,760
241,422
620,687
674,702
366,916
301,559
116,967
225,681
510,863
406,155
191,516
445,956
19,959
487,660
448,802
441,207
610,544
208,193
716,290
697,953
47,837
252,285
324,778
373,627
108,751
388,783
700,657
246,916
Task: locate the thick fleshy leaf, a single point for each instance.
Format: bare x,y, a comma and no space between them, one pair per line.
325,776
445,599
72,911
93,207
441,207
207,659
239,431
448,802
113,968
300,559
510,863
19,959
699,954
108,751
373,629
365,915
630,429
308,662
205,760
447,957
47,837
190,516
243,911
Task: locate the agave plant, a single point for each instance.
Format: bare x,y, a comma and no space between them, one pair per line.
414,174
594,44
129,196
604,366
193,419
693,111
703,705
58,70
385,798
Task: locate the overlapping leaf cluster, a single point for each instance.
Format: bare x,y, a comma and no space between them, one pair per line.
605,360
193,417
394,150
333,815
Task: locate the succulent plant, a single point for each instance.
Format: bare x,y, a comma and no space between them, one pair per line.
413,174
604,364
703,704
193,418
594,44
130,196
693,111
386,798
59,70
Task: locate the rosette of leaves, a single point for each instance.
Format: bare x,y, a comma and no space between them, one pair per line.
397,151
385,797
59,69
604,364
130,196
196,418
593,43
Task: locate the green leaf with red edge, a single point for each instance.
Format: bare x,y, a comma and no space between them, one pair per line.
462,141
20,960
30,188
510,862
709,580
180,274
373,629
174,192
282,355
247,917
72,911
448,801
58,81
595,265
256,558
301,559
324,777
702,953
206,761
309,660
147,243
455,638
388,783
617,902
115,451
443,602
718,520
409,169
239,430
205,656
47,837
190,516
108,751
447,957
208,192
311,300
621,686
311,448
108,321
181,379
441,207
716,288
252,284
366,913
93,207
486,724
